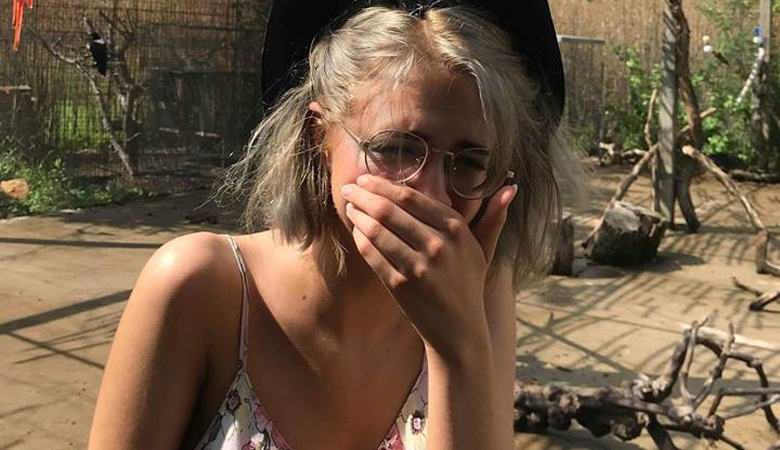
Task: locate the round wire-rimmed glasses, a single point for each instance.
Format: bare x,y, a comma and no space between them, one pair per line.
399,156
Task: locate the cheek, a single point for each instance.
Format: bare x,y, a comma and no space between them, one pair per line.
344,169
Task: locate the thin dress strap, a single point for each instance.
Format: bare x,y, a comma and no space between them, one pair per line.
242,346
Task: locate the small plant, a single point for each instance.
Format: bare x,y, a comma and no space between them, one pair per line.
628,121
53,189
79,127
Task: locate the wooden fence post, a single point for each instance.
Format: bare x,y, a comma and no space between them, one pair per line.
663,171
766,25
760,116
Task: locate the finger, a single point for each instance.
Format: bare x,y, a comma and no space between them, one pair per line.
488,230
428,210
384,269
397,252
412,230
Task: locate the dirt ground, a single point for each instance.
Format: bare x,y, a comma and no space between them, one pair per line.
64,280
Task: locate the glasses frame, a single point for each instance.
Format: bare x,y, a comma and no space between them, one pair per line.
362,144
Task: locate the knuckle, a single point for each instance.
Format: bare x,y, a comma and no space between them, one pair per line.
434,248
373,230
455,227
383,211
420,271
363,246
397,281
405,196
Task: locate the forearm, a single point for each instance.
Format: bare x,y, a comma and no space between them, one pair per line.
461,408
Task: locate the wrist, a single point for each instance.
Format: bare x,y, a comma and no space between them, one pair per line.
462,351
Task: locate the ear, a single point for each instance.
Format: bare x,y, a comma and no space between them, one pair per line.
316,113
317,120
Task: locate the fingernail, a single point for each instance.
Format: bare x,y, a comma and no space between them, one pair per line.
512,196
347,190
362,180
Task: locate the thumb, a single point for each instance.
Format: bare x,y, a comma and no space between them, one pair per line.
488,229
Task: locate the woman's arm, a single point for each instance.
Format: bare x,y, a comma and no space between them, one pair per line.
159,355
471,402
502,322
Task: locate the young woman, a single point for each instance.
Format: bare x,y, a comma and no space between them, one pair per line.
408,183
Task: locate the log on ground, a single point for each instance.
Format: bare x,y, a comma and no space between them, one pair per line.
628,235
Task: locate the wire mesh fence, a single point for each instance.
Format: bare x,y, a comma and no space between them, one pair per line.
181,94
195,67
584,62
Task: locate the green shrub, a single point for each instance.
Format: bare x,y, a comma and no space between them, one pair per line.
79,126
52,189
728,131
628,122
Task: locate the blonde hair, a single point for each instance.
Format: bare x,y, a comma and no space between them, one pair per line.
286,179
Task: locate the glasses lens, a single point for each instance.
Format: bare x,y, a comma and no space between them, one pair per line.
470,174
395,155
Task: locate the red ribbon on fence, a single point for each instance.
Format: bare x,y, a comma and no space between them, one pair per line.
17,19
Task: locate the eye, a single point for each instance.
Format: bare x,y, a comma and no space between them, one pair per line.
472,159
397,144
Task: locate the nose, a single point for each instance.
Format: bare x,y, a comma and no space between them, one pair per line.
433,180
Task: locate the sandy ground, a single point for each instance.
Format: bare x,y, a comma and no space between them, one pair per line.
64,280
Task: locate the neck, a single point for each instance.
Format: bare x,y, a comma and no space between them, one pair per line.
352,306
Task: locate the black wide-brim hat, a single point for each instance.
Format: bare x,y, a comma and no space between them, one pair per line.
293,26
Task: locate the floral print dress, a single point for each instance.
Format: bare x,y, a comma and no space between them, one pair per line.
243,424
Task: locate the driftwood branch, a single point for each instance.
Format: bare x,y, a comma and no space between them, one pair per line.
763,264
764,298
742,175
644,404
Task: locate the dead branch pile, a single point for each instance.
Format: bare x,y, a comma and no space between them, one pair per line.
645,403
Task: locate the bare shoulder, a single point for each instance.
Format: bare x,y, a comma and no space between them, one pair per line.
160,353
188,257
192,278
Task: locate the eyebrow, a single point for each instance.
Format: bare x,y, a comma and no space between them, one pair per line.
463,143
